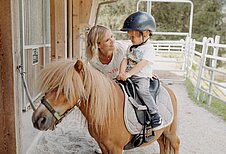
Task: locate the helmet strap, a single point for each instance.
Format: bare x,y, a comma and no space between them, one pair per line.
142,35
143,42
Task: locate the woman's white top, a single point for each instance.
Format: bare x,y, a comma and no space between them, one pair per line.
111,69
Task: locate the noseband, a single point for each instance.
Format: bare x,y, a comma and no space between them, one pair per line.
55,114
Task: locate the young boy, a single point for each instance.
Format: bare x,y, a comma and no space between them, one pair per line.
137,65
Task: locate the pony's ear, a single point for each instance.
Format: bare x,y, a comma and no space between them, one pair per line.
79,66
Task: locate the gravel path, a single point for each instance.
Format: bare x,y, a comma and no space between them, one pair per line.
199,131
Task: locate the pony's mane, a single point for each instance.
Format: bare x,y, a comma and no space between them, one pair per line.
103,95
62,77
98,90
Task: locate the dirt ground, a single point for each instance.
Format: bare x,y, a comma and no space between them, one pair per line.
200,132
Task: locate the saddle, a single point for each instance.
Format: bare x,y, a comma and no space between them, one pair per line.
141,110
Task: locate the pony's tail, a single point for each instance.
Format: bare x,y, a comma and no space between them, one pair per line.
171,143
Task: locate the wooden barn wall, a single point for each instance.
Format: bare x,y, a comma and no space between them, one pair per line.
36,37
58,14
32,71
10,80
68,18
33,21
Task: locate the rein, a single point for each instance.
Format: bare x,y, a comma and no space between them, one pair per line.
55,114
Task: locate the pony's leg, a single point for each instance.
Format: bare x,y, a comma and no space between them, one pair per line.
110,149
174,142
160,141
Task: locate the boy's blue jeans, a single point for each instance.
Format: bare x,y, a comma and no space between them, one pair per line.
142,85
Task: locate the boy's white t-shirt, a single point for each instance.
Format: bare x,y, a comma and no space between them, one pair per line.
111,69
145,51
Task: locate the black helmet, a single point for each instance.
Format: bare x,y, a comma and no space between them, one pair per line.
139,21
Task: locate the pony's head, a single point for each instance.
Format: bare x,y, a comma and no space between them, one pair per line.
66,84
62,85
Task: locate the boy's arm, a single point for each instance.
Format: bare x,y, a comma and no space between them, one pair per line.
137,68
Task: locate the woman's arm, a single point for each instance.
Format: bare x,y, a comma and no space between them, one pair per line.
122,69
123,66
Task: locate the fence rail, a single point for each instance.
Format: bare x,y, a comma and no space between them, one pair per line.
207,69
170,59
199,62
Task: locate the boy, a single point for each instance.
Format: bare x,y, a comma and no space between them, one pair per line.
137,65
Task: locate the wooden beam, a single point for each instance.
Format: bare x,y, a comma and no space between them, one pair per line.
9,49
70,32
65,39
93,13
75,29
83,10
58,20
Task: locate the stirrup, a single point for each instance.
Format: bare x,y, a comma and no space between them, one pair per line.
149,137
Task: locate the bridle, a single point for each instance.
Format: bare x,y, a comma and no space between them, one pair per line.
55,114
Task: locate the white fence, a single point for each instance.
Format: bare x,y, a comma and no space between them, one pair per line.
207,69
199,62
170,60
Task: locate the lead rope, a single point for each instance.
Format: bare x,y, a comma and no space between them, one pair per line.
20,68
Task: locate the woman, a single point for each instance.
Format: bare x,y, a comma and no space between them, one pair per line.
103,52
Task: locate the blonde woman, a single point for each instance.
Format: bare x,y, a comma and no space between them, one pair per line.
103,52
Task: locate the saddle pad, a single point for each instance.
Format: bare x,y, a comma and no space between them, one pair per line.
165,109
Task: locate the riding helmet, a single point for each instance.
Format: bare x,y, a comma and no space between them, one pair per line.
140,21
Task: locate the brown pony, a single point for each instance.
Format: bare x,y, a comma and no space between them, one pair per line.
67,84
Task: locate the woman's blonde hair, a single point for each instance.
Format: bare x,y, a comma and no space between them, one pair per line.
95,35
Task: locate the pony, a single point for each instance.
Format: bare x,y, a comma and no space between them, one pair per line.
66,84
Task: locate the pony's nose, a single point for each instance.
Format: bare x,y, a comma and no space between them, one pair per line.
39,123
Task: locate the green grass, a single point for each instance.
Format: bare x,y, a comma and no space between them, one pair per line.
217,107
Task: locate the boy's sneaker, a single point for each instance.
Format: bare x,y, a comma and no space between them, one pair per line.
156,121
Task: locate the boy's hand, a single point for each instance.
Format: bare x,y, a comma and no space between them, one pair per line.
127,75
120,76
123,76
154,76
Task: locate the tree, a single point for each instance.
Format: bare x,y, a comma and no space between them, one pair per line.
207,21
